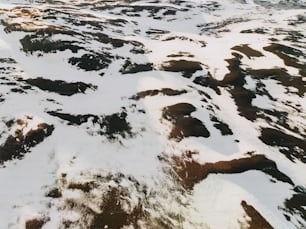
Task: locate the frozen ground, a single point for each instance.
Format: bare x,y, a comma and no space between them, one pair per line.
152,114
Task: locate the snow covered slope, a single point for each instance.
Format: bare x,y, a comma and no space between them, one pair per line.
152,114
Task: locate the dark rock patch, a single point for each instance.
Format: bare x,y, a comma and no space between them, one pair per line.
183,38
292,147
45,44
1,99
18,90
36,223
183,124
59,86
116,124
169,12
282,4
186,66
9,83
104,38
223,127
113,214
289,55
234,82
258,30
211,6
208,81
300,19
156,32
151,10
215,27
188,127
207,96
138,47
181,54
295,206
256,219
294,36
7,61
171,113
286,53
191,172
237,74
247,50
119,22
283,77
130,68
121,201
6,71
73,119
92,61
54,193
115,209
85,187
163,91
17,145
111,126
243,99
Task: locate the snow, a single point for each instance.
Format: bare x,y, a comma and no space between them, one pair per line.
81,153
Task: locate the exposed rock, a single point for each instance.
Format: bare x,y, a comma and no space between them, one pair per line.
54,193
59,86
45,44
116,124
215,27
181,54
288,55
256,219
85,187
73,119
186,66
92,61
163,91
258,30
191,172
36,223
292,147
295,206
17,145
237,74
243,99
116,206
208,81
130,68
111,126
283,77
223,127
183,124
248,51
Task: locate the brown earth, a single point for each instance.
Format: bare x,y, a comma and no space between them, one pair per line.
247,50
256,219
191,172
18,144
184,125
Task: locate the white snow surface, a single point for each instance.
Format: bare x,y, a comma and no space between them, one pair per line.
205,32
